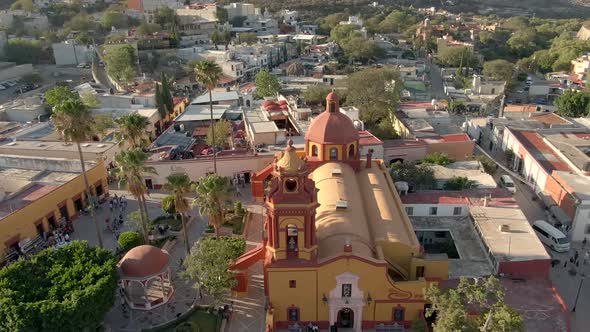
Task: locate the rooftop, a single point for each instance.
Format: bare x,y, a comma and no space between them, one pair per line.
471,169
202,112
540,150
217,96
90,147
573,146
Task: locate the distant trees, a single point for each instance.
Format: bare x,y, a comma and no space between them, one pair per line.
114,19
248,38
69,289
573,103
316,94
221,15
22,50
500,70
397,21
164,98
121,62
419,176
267,84
457,57
146,29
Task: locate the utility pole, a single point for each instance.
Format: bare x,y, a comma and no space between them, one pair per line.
578,294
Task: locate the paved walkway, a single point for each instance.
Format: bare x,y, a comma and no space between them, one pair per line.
249,314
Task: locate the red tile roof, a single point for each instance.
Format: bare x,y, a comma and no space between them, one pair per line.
455,138
500,197
540,151
366,138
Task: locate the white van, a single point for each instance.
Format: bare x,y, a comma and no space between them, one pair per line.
506,182
551,236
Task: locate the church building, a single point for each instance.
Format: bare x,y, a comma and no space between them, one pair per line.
339,248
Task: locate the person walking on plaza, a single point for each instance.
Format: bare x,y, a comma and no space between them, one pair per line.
584,243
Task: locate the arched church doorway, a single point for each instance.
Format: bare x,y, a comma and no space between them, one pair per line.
346,318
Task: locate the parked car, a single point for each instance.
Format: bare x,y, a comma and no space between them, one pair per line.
551,236
82,65
507,182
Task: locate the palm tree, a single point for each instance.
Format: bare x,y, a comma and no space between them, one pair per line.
213,194
75,121
130,169
132,130
209,73
180,185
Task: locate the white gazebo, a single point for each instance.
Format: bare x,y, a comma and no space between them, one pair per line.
145,274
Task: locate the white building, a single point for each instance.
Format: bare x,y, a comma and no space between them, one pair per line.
353,20
581,66
68,53
34,21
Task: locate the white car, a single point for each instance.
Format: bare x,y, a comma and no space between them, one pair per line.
507,182
81,65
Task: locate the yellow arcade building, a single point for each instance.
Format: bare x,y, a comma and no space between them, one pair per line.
339,247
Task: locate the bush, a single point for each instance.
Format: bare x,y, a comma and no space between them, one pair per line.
437,158
419,325
236,245
460,183
130,240
70,289
238,209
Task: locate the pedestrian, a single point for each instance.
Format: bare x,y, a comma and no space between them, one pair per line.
565,264
124,202
584,242
67,238
576,256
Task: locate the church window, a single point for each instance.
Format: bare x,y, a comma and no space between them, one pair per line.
398,314
333,154
293,314
292,238
314,150
291,185
332,107
419,271
292,283
346,290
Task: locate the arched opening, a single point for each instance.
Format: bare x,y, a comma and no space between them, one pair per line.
345,318
333,154
351,152
292,237
291,185
332,107
314,151
248,103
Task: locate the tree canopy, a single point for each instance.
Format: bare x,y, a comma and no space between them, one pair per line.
316,94
129,240
114,19
208,265
460,183
573,103
121,62
70,289
420,176
437,158
56,95
500,70
453,307
222,131
22,50
267,84
457,56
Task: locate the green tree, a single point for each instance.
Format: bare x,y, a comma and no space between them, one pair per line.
146,29
59,93
419,325
457,56
213,195
420,176
238,21
216,38
247,37
316,94
573,103
180,185
397,21
102,123
208,266
75,122
221,15
222,130
22,50
26,5
327,23
341,33
523,42
89,99
121,63
437,158
130,170
208,74
129,240
267,84
500,70
165,16
81,22
132,130
168,205
377,100
452,307
358,48
460,183
70,289
114,19
166,101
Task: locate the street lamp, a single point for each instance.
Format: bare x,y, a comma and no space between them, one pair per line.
578,294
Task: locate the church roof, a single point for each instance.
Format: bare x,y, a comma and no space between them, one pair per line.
332,127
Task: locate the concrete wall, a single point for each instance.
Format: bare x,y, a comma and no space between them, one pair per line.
406,153
197,168
531,170
443,210
378,151
455,150
69,53
43,163
107,156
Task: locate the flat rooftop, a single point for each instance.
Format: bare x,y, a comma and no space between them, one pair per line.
469,169
216,96
573,146
201,113
540,150
19,145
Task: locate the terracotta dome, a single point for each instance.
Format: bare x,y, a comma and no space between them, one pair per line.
332,127
144,261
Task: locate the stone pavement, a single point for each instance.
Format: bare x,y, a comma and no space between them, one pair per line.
249,314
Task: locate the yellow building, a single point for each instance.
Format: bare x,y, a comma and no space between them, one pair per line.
38,193
340,249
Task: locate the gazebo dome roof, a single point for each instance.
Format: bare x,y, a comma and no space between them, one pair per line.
144,261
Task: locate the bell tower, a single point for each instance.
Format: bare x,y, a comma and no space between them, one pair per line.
291,202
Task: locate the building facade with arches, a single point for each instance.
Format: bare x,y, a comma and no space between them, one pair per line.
338,246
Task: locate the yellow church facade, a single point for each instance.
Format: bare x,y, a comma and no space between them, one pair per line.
339,247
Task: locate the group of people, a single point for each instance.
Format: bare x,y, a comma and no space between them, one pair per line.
118,202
